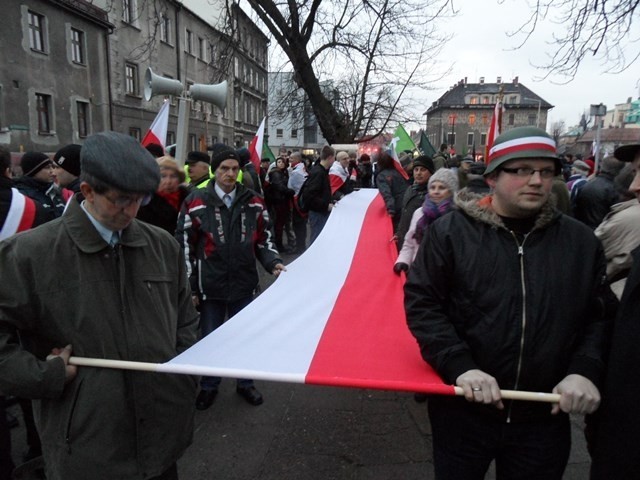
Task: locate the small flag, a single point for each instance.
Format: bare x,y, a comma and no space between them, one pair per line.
495,129
158,131
400,142
255,148
267,153
425,146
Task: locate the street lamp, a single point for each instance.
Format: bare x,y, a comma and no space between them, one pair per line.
597,111
539,100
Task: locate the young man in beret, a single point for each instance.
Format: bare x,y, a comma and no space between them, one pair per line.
616,440
106,285
224,228
487,300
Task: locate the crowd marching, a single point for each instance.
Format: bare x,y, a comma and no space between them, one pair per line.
522,273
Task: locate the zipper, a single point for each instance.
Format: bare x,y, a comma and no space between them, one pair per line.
67,436
524,315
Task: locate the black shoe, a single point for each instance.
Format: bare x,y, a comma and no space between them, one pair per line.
420,397
205,399
251,395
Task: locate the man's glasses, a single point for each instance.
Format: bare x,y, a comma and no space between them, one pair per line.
124,201
524,172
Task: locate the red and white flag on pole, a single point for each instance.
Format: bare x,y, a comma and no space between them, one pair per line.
255,147
495,129
343,323
158,131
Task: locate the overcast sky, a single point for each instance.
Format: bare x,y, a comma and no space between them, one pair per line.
481,48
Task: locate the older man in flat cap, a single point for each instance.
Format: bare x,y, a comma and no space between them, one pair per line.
616,441
112,287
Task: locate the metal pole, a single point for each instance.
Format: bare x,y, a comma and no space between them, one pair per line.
538,117
183,128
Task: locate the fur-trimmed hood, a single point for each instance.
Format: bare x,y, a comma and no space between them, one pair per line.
479,208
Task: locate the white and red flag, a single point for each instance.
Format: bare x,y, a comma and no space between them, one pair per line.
495,129
255,147
337,176
158,130
343,323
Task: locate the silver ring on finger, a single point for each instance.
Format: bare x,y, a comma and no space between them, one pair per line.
476,389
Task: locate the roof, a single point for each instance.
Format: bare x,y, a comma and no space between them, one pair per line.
620,136
455,96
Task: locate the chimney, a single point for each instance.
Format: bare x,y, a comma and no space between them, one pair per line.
515,81
499,80
481,79
465,80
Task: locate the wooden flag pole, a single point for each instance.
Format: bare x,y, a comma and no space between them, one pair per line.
155,367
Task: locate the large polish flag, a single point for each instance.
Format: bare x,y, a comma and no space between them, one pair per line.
333,319
255,147
158,130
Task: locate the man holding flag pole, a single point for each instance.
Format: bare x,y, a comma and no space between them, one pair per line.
486,300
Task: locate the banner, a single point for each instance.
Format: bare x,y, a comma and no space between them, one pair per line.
343,321
401,142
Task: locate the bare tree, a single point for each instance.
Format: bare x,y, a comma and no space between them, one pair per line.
600,28
557,129
374,53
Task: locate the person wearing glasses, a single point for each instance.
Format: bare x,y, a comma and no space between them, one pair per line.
506,292
100,283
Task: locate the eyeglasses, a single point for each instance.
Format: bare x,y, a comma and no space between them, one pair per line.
123,201
523,172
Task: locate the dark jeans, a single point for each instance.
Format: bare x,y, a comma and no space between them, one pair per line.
213,313
466,441
316,222
300,230
282,213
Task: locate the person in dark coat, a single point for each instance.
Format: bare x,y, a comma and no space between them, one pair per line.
392,186
414,195
365,171
317,192
616,439
596,198
36,182
280,198
487,304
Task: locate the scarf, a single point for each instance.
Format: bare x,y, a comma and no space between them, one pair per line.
172,198
430,212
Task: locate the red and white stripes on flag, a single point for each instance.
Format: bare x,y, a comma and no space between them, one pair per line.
158,130
495,128
343,321
21,214
255,147
337,176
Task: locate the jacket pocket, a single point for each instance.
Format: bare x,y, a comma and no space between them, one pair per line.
70,418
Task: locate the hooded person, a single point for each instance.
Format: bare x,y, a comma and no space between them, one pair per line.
37,182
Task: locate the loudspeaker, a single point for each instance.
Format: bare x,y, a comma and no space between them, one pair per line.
157,85
216,94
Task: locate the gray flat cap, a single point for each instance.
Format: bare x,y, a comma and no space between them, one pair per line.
120,161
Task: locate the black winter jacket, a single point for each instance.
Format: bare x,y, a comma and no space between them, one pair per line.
526,312
221,244
39,191
317,190
413,199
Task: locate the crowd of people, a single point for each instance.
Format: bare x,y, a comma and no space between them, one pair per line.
521,273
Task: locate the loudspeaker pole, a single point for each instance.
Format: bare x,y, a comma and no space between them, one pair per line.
183,129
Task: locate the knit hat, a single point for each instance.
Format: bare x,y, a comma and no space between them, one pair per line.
68,158
168,162
196,156
627,153
120,161
447,177
244,155
522,142
580,165
221,152
424,161
32,162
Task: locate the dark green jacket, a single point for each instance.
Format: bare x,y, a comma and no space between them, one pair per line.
62,284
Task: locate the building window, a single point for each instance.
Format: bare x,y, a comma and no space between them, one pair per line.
513,99
247,112
472,119
279,132
131,79
531,119
470,139
236,104
451,138
135,133
36,31
486,100
165,29
212,53
77,46
483,139
202,52
473,100
82,110
188,41
43,107
236,67
294,133
127,11
512,119
171,138
192,142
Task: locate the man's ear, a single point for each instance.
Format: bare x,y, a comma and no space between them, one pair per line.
491,179
87,191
